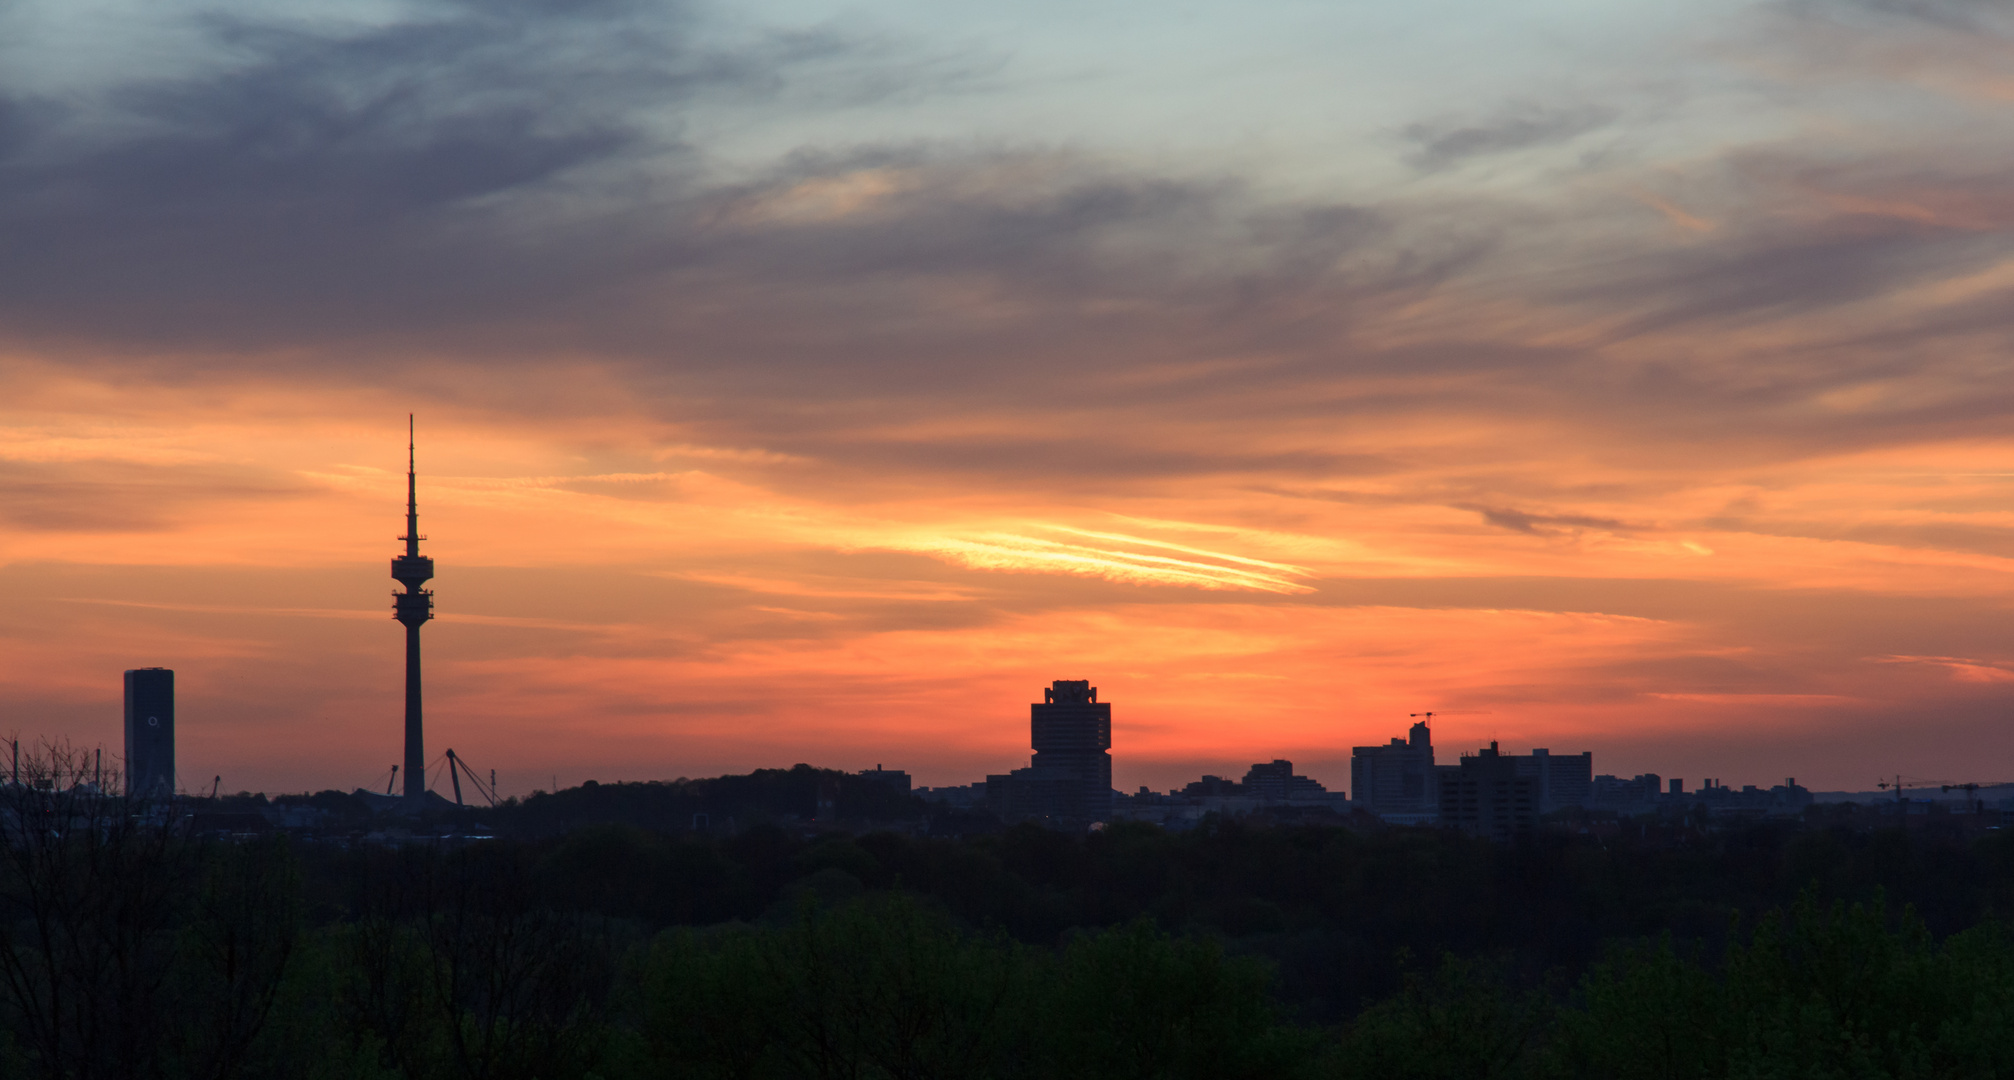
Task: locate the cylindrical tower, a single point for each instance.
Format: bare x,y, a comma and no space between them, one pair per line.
413,607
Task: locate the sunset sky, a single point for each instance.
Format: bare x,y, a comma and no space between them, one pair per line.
815,381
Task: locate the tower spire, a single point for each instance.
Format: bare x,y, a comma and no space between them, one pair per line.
412,536
412,608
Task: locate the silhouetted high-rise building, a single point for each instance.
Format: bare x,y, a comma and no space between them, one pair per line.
1396,780
1563,779
1069,780
150,732
413,607
1269,780
1487,796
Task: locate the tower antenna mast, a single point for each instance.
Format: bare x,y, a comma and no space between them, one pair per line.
413,608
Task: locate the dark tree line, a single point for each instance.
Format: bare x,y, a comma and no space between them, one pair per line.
720,803
134,945
129,948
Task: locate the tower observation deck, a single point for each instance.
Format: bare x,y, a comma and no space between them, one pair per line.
413,607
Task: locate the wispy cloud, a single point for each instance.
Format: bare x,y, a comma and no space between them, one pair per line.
1119,558
1446,143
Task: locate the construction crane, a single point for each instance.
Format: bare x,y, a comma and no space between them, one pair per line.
457,768
1971,790
1901,782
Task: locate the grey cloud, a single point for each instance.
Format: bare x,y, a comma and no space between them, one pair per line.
498,176
312,174
1542,524
1798,240
499,183
1982,539
1780,272
1058,462
113,497
1441,144
408,178
1049,225
1961,16
957,218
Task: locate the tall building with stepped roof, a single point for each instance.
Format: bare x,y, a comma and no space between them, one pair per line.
1069,780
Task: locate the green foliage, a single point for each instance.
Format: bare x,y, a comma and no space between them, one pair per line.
234,947
708,1008
1831,991
1464,1022
1646,1013
885,987
455,967
1819,991
875,988
1135,1004
309,1035
1816,992
128,947
132,948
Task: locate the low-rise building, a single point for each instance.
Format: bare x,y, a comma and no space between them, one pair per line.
1209,786
1638,794
894,778
957,797
1275,781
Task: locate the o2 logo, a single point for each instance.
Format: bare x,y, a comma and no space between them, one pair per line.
153,721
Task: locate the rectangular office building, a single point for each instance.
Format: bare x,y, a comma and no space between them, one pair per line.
1396,782
1563,779
1486,796
150,733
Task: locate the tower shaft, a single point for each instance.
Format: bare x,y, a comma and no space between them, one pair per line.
416,751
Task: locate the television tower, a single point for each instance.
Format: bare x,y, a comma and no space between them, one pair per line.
413,607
